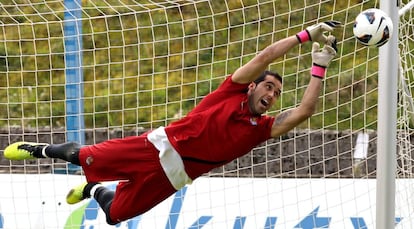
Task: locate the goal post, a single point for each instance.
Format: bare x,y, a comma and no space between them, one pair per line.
75,125
143,64
387,123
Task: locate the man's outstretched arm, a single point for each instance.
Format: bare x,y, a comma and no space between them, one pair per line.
289,119
250,71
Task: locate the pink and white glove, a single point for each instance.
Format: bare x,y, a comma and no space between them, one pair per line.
322,58
316,32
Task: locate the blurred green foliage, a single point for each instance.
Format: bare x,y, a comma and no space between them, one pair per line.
146,65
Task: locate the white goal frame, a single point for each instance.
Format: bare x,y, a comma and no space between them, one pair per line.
387,124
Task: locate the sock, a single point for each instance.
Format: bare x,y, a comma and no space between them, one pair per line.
39,151
93,189
44,152
87,191
67,151
104,197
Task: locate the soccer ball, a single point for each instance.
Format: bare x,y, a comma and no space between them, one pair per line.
373,27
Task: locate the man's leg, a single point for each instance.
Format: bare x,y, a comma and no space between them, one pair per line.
28,150
68,152
102,195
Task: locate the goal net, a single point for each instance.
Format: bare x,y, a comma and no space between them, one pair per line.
88,71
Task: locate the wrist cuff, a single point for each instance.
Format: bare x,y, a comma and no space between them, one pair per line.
318,71
303,36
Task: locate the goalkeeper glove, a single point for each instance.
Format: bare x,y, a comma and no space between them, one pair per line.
321,59
316,32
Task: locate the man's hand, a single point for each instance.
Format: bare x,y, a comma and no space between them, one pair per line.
321,59
316,32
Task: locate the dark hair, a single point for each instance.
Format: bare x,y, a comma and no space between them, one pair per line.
265,73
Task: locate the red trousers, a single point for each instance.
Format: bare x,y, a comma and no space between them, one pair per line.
133,161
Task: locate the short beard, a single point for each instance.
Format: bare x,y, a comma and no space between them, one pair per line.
250,103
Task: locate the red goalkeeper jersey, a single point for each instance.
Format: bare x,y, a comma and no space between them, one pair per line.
218,130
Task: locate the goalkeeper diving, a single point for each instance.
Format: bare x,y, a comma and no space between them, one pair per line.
228,123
